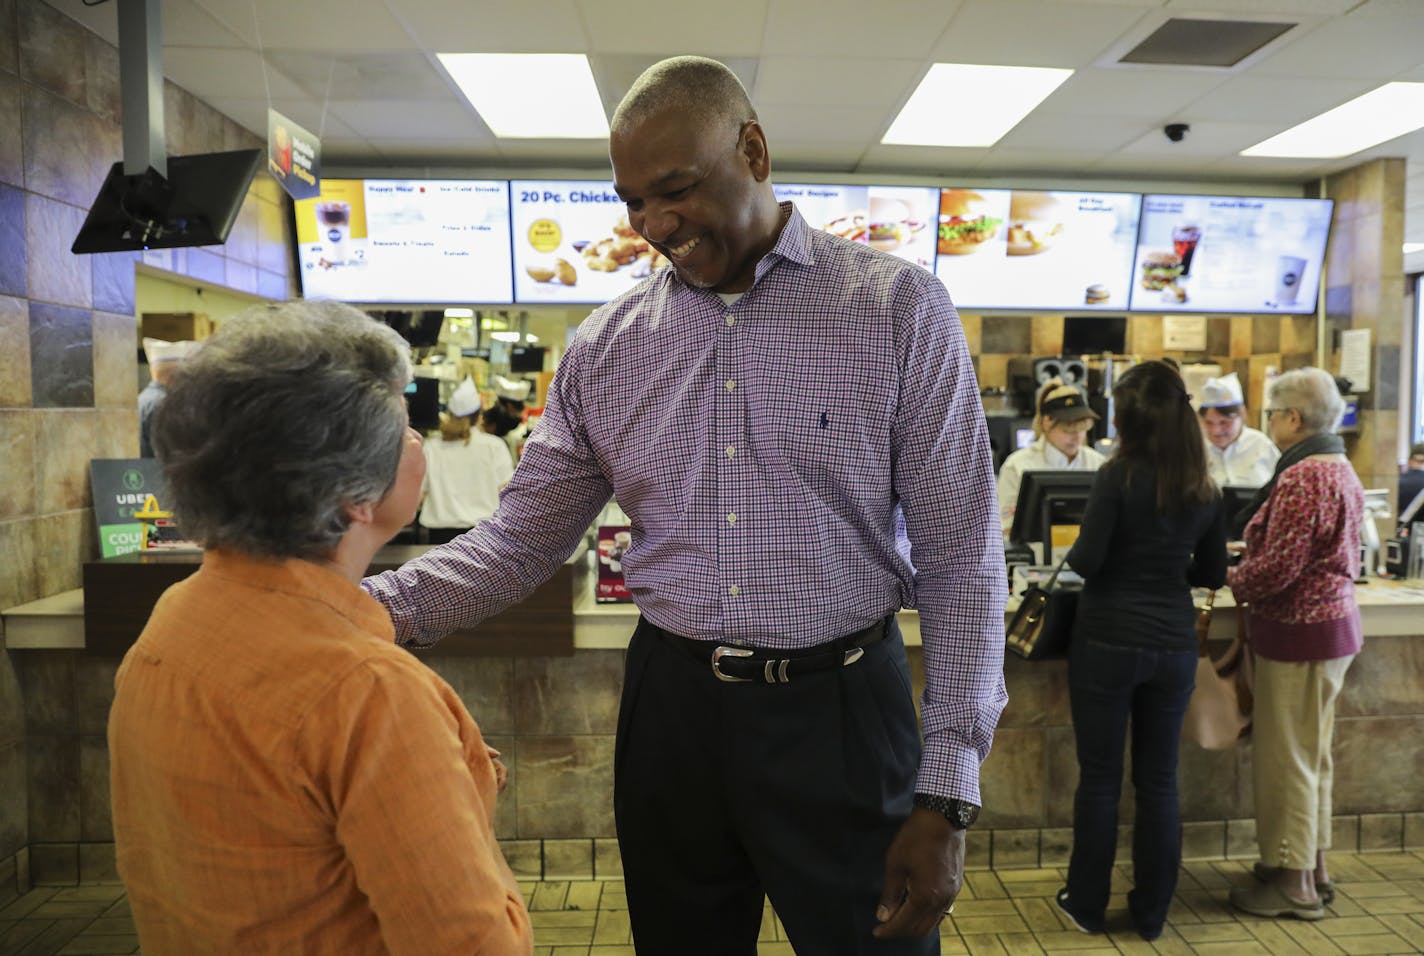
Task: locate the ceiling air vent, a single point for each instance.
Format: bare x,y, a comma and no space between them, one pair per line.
1184,42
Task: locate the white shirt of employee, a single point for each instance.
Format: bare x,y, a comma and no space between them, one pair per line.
1063,422
1235,454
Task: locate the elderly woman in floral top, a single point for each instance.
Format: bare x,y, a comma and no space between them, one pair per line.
1298,573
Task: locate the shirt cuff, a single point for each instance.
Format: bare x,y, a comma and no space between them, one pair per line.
949,769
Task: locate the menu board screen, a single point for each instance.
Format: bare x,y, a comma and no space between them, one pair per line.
1021,249
1230,254
397,240
894,219
572,243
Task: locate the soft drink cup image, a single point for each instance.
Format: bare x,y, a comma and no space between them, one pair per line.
1184,243
333,221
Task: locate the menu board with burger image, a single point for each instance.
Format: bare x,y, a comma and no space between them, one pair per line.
1230,254
573,243
396,240
1018,249
894,219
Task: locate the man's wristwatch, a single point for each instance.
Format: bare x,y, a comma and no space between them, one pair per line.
960,813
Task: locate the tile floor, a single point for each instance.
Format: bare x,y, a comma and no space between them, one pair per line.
1379,909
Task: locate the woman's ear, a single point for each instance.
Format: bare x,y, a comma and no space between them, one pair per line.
360,514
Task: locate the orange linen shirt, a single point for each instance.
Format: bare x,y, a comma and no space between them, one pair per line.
286,780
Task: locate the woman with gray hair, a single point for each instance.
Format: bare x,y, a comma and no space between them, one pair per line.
284,778
1302,555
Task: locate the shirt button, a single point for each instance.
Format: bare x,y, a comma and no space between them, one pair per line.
731,519
731,385
731,451
731,320
734,590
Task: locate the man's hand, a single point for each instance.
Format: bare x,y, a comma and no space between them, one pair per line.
924,870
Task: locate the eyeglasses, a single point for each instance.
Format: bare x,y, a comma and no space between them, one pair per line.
1276,411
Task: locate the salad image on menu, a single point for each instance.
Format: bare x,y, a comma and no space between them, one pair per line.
573,243
894,219
1014,249
1230,253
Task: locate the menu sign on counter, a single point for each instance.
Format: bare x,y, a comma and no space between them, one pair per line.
573,243
1230,254
1022,249
392,240
894,219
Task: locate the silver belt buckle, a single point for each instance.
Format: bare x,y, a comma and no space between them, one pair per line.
724,651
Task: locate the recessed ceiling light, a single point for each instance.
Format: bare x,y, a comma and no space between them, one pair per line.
531,95
959,104
1412,247
1368,120
459,313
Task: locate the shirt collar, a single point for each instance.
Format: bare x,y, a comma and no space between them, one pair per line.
303,579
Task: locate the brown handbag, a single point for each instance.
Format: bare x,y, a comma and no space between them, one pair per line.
1043,623
1219,712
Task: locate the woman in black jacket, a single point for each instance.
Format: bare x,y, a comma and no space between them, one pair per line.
1153,530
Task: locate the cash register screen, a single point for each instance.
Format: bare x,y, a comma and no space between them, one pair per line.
1050,509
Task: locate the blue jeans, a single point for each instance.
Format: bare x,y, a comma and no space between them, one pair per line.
1109,683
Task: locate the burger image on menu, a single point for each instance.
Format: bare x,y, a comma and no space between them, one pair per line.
1160,270
890,224
1034,223
965,225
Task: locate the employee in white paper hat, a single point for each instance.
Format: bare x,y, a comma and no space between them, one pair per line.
1235,453
507,414
163,359
1062,422
464,470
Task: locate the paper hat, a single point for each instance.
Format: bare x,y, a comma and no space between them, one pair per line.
158,351
1222,392
512,390
465,400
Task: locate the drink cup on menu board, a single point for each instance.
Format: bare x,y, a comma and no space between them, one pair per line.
1184,242
333,220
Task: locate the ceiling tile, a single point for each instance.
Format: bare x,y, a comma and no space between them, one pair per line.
834,28
495,26
1052,132
319,24
789,157
1377,47
440,122
1290,8
1033,33
730,27
1286,100
251,113
881,83
410,152
214,74
922,160
1041,162
406,75
584,154
183,23
1206,139
1152,93
821,124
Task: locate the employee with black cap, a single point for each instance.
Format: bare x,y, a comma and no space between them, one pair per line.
1062,425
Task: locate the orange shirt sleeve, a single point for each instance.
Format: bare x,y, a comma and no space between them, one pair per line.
400,766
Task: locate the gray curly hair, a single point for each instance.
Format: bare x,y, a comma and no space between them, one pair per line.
1313,393
284,417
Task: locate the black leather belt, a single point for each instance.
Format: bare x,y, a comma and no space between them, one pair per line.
769,665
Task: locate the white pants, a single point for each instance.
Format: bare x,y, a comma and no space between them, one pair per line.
1293,770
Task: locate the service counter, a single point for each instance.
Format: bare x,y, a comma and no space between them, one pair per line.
543,680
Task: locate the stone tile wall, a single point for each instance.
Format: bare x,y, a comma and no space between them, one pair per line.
68,374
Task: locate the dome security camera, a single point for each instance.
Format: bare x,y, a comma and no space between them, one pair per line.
1176,132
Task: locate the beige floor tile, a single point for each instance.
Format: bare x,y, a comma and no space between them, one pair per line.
1374,944
584,895
613,928
984,944
1020,944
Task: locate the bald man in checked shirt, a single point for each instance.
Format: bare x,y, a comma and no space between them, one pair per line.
760,410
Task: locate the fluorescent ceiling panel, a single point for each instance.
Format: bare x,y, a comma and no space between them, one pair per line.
1368,120
959,104
531,95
